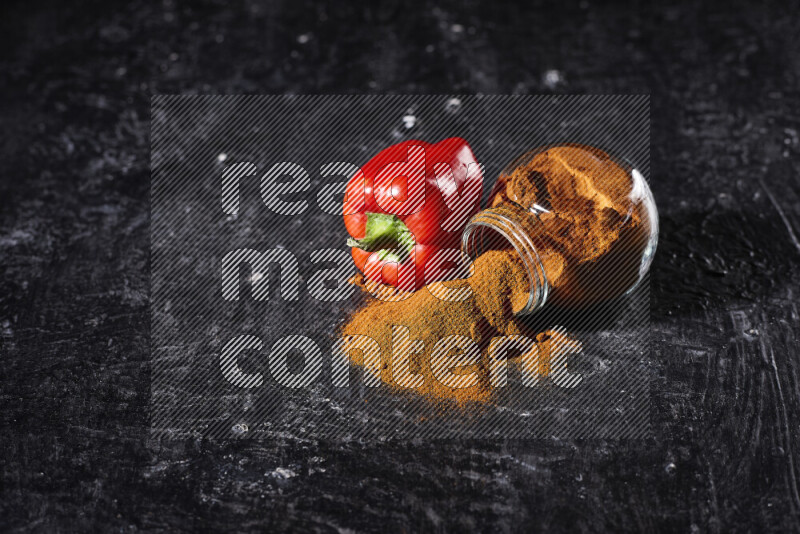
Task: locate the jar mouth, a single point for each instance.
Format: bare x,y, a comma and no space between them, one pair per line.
493,229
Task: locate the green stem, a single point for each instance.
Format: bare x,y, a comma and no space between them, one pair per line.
387,235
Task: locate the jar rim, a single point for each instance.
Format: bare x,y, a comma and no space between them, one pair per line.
497,220
622,161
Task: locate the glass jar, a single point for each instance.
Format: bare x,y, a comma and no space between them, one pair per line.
583,223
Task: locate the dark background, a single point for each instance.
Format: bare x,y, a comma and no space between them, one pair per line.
74,290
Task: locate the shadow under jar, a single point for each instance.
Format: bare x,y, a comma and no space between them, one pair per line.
583,223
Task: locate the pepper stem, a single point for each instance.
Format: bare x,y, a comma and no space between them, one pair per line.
387,235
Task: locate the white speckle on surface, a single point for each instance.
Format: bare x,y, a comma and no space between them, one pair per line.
409,121
792,138
452,105
222,157
304,38
670,467
283,473
256,276
456,28
240,428
17,237
552,78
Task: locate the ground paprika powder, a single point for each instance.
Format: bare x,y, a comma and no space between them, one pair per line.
567,223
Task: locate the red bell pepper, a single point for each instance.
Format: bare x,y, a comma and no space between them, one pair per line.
407,204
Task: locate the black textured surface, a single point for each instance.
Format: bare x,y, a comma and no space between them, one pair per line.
73,245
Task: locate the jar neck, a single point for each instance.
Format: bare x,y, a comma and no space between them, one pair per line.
498,227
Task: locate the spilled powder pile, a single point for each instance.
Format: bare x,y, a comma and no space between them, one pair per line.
499,289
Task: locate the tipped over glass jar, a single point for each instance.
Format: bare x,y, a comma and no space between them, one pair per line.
583,223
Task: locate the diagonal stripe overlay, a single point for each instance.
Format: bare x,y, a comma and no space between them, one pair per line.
249,268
